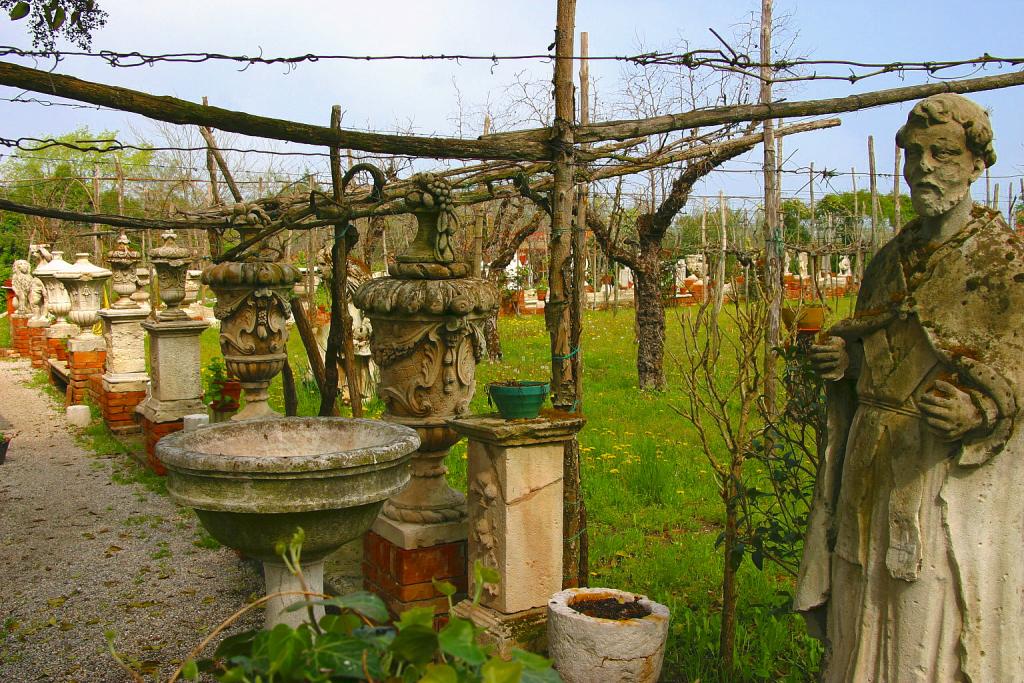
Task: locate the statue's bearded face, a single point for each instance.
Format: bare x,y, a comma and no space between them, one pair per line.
939,166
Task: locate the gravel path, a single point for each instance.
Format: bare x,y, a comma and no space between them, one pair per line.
86,548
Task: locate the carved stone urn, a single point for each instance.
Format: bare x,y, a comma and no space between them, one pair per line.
427,339
171,261
252,305
122,260
58,302
84,283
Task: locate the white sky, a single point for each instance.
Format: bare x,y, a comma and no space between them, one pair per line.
421,95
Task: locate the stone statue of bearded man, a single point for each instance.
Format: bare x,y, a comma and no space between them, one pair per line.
912,561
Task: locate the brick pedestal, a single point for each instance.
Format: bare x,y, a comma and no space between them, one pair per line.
124,384
402,576
153,432
37,342
86,355
19,334
119,397
515,520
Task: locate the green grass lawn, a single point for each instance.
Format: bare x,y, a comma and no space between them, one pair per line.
653,504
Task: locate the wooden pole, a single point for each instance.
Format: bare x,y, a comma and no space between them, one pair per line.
96,249
814,218
874,193
897,211
720,269
988,188
995,197
557,308
772,229
339,338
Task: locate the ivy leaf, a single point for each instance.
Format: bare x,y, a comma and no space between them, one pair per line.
458,639
19,11
190,671
415,643
417,616
444,588
439,673
59,16
484,574
367,604
500,671
236,645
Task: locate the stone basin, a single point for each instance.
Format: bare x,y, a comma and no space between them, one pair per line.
253,483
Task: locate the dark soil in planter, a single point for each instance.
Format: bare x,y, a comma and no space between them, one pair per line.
610,608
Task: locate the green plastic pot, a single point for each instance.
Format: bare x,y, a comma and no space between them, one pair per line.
518,400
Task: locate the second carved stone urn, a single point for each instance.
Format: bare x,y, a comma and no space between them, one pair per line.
252,305
122,260
171,261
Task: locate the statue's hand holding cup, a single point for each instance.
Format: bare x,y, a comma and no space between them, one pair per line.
829,357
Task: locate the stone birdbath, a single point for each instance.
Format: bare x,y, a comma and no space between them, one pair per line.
254,483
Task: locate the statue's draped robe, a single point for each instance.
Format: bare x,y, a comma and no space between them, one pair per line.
916,545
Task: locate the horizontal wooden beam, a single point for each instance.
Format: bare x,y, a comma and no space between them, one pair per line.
117,221
714,116
620,130
174,110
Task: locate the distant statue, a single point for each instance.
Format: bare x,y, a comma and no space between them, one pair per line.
37,301
786,260
21,282
695,265
844,266
802,267
912,561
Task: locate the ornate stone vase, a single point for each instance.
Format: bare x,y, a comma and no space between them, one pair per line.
57,300
84,283
171,261
427,339
252,305
122,260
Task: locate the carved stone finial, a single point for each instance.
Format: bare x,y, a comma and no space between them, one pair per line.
431,255
171,261
122,260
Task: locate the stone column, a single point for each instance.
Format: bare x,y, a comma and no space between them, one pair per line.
515,521
175,382
427,339
124,382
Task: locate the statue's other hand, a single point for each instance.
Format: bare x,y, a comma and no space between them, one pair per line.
830,359
949,411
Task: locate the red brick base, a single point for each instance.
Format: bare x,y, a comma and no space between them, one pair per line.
402,578
153,432
37,345
118,408
19,336
85,369
57,348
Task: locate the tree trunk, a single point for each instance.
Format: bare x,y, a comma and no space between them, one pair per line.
727,636
650,323
493,338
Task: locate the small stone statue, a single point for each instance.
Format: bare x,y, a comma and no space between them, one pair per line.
802,267
912,561
21,281
844,266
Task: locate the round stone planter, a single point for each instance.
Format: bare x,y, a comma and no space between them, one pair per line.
588,649
253,483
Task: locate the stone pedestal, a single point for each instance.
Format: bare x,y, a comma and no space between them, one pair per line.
19,334
86,355
515,521
125,381
37,341
175,388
